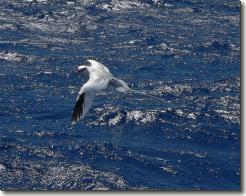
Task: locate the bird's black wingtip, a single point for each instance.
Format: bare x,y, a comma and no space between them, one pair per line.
78,109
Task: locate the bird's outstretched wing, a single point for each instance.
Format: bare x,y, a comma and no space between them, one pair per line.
83,104
99,67
86,96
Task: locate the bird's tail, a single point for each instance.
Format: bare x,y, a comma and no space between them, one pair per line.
122,86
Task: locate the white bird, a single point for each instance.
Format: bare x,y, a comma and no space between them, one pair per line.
99,78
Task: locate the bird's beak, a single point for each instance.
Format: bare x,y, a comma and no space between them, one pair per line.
80,68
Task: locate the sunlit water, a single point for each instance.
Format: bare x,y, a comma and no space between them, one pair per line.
184,52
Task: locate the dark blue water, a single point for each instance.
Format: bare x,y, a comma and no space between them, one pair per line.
185,52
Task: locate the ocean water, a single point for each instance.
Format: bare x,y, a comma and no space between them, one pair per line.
186,52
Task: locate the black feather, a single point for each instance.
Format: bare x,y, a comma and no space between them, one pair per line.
78,108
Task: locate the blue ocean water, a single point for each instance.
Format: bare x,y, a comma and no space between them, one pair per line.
185,52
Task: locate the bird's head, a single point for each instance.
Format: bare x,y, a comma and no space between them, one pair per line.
81,68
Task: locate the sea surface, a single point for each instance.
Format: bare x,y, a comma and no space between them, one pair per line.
185,52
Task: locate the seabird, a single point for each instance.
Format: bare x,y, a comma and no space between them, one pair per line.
99,78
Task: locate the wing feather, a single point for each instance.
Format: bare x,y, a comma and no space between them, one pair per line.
78,108
82,105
